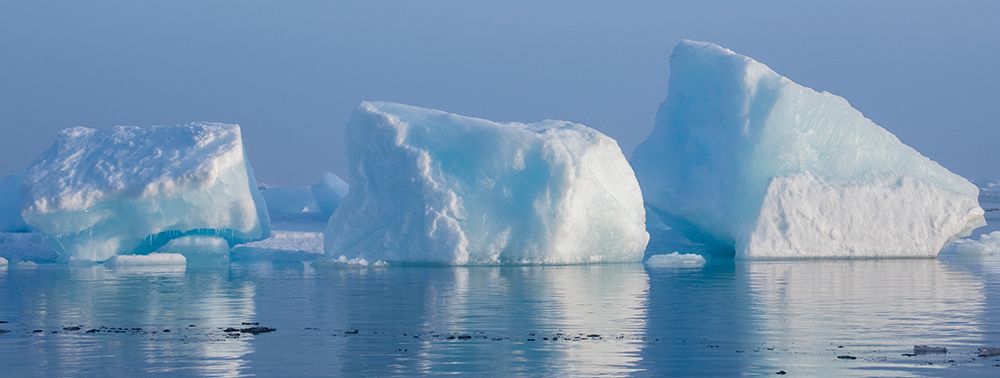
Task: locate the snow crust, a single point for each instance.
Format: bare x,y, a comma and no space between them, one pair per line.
428,186
988,244
129,189
676,260
282,246
10,205
742,159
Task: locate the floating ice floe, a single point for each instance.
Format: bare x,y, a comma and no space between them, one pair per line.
743,159
676,260
199,250
344,262
282,246
3,262
988,244
130,190
433,187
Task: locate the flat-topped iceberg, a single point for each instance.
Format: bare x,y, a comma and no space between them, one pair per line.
743,159
128,190
433,187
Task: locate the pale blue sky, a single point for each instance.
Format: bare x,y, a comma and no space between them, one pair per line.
290,72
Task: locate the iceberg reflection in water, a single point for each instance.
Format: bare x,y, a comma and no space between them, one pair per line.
723,319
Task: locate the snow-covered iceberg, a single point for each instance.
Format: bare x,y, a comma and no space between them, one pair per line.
743,159
126,190
433,187
10,205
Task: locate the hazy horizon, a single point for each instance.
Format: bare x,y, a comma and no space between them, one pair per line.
291,73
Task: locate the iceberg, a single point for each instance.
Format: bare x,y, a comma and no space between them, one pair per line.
322,197
988,244
428,186
30,246
10,205
289,200
130,190
743,160
329,192
199,249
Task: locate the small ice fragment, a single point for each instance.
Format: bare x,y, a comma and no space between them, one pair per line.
3,262
927,349
676,260
152,259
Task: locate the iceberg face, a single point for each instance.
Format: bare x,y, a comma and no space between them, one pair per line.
10,205
123,190
433,187
744,159
676,260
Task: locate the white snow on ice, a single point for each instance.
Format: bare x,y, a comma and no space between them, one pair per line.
742,158
152,259
428,186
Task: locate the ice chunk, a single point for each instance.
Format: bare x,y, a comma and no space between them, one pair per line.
127,190
10,205
676,260
152,259
743,159
344,262
329,192
27,246
199,250
3,262
289,200
433,187
988,244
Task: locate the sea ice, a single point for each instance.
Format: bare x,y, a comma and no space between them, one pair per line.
10,205
743,159
282,246
433,187
988,244
199,249
130,190
152,259
676,260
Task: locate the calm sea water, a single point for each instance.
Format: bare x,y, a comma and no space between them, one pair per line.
725,319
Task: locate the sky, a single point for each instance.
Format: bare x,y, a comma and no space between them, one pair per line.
291,72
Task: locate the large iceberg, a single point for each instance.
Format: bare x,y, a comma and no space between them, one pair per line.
130,190
10,205
433,187
743,159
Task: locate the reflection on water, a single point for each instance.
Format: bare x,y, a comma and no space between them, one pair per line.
725,319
